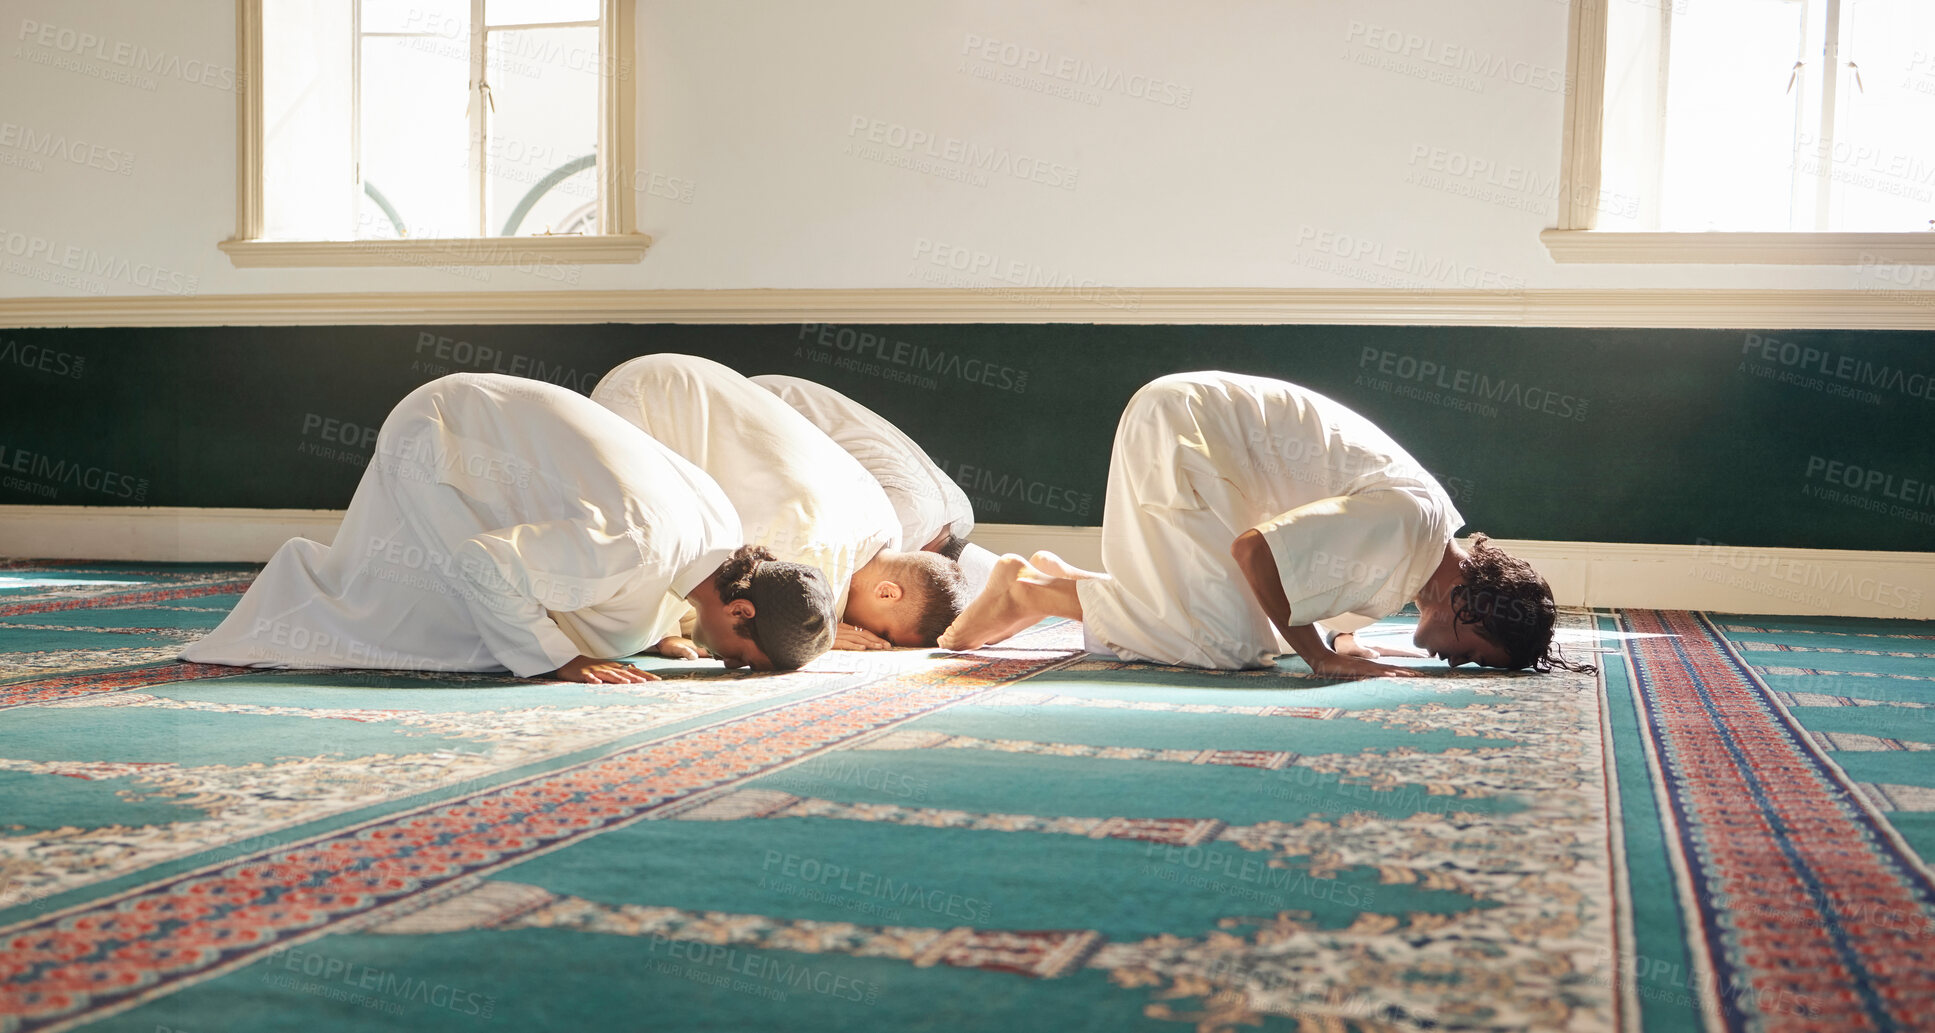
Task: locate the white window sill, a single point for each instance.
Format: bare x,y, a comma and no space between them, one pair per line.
1740,248
615,248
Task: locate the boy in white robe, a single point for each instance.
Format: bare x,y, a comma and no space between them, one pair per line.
797,493
932,508
510,524
1241,507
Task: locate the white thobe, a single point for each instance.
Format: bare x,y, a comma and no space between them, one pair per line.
1355,524
797,492
503,524
924,497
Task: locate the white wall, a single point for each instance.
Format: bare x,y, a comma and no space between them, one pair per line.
1286,137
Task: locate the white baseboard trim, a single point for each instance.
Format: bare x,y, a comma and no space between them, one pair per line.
1721,578
1888,296
158,534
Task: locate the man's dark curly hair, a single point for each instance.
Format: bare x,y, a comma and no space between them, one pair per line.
1512,606
952,547
733,579
936,589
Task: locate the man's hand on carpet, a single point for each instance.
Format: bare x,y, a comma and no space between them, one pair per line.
1340,666
678,647
853,637
601,672
1347,644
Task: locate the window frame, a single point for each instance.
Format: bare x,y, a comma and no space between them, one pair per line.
1575,238
617,239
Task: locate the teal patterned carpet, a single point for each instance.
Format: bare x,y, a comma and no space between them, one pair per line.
1728,828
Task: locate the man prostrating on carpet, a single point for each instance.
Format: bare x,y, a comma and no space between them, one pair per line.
1239,504
931,507
797,492
510,524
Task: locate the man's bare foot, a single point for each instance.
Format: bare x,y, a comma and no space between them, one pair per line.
998,612
1054,566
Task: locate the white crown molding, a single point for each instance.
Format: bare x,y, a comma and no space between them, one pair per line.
439,251
1725,579
1599,308
1825,248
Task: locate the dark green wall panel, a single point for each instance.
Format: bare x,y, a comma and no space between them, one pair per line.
1815,439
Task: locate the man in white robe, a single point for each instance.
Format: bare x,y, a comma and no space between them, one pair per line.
796,491
510,524
932,508
1240,508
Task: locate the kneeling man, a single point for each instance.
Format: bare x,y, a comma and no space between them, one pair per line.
510,524
1238,505
796,491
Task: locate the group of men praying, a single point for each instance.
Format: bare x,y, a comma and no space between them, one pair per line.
685,510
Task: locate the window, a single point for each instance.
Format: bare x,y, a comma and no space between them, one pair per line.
460,132
1750,130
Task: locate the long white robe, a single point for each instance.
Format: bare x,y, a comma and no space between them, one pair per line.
924,497
503,524
1355,524
797,492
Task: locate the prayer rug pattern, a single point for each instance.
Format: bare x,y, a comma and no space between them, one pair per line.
1727,828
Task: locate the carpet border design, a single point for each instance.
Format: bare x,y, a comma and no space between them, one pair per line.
1679,661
